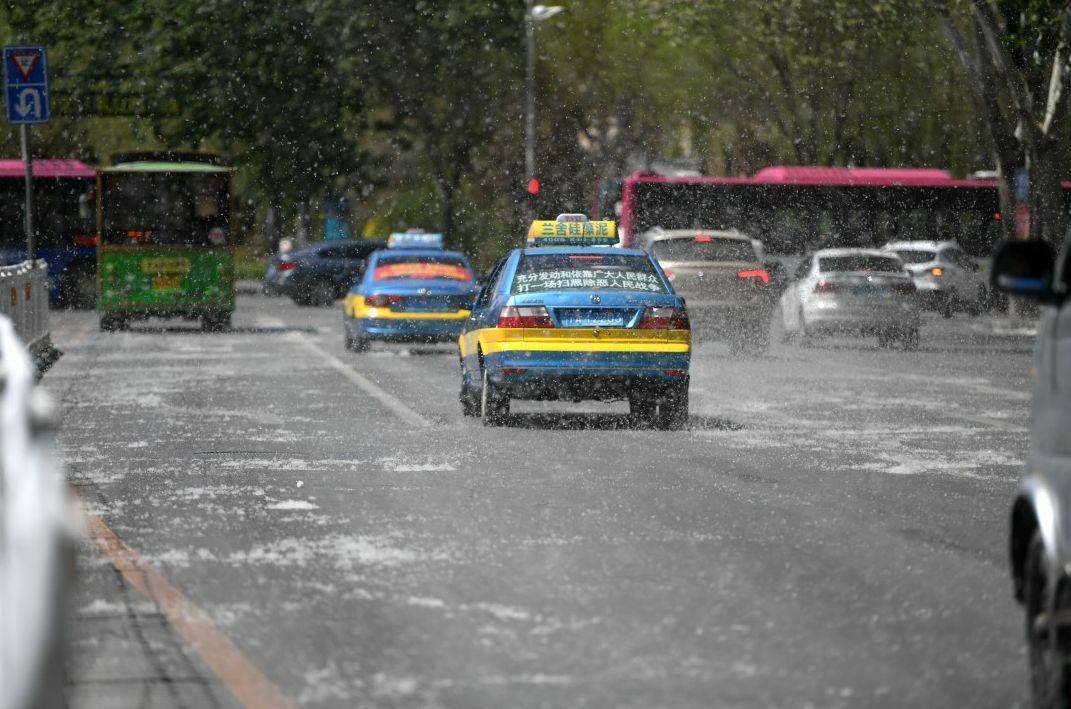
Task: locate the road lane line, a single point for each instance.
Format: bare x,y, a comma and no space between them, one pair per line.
245,681
393,403
396,406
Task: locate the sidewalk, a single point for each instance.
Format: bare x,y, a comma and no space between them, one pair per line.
122,652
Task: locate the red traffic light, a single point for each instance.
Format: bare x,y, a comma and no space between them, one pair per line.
533,186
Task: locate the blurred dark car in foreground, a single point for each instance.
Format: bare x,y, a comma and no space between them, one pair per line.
321,273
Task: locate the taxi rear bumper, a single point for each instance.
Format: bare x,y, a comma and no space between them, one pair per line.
585,375
404,329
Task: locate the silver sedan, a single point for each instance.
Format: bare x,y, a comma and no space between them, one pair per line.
852,291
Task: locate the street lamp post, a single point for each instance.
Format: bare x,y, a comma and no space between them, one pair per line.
533,16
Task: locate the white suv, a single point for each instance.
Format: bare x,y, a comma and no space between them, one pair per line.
1040,539
947,278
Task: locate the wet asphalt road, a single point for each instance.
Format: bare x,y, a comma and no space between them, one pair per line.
829,531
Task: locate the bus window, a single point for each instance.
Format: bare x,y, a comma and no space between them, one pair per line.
165,209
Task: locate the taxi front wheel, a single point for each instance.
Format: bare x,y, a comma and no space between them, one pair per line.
494,403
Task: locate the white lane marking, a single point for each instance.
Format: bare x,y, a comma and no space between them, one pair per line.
989,421
396,405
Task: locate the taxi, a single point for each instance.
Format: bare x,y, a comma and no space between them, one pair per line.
571,317
412,291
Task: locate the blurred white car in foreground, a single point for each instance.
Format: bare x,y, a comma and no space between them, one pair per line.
38,528
852,291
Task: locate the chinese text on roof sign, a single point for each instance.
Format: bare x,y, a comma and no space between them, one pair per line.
415,240
549,233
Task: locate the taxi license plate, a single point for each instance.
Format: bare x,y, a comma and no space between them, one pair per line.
427,305
872,291
168,282
590,317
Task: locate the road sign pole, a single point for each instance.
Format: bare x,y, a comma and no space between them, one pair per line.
28,162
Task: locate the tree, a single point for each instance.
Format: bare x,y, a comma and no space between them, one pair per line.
1015,55
449,75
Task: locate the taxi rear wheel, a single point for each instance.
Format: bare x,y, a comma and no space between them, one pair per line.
673,409
470,401
470,405
494,404
643,407
357,344
909,340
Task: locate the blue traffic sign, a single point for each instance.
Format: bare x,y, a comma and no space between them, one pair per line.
26,84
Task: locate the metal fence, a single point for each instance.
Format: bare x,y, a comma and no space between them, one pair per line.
24,300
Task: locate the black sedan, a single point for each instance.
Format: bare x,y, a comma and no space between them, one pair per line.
321,273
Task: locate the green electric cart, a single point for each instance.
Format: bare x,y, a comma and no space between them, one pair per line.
166,243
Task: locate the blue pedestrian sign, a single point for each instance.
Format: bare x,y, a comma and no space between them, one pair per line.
26,84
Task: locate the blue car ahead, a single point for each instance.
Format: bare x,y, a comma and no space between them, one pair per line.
409,295
577,322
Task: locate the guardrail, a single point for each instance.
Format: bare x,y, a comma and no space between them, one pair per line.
38,526
24,300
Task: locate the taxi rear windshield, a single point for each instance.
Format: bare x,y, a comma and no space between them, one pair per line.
848,264
703,249
424,268
541,273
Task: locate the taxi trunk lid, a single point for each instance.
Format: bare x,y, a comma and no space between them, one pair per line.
614,316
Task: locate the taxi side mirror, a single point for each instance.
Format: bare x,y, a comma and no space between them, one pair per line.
1025,269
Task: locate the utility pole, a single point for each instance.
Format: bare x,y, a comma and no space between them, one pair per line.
533,15
529,96
27,97
31,247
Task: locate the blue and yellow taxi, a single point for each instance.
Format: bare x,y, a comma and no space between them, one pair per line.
572,317
412,291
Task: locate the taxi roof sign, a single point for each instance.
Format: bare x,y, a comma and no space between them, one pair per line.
414,240
572,232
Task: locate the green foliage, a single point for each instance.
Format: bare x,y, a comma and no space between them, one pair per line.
415,109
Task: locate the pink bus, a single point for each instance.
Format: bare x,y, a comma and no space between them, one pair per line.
793,209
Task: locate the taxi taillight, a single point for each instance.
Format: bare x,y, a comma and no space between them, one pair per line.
524,316
660,318
382,301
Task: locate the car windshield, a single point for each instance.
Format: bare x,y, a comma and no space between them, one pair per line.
540,273
703,248
166,209
859,263
916,255
448,268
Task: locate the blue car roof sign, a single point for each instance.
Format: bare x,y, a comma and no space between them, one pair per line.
414,240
